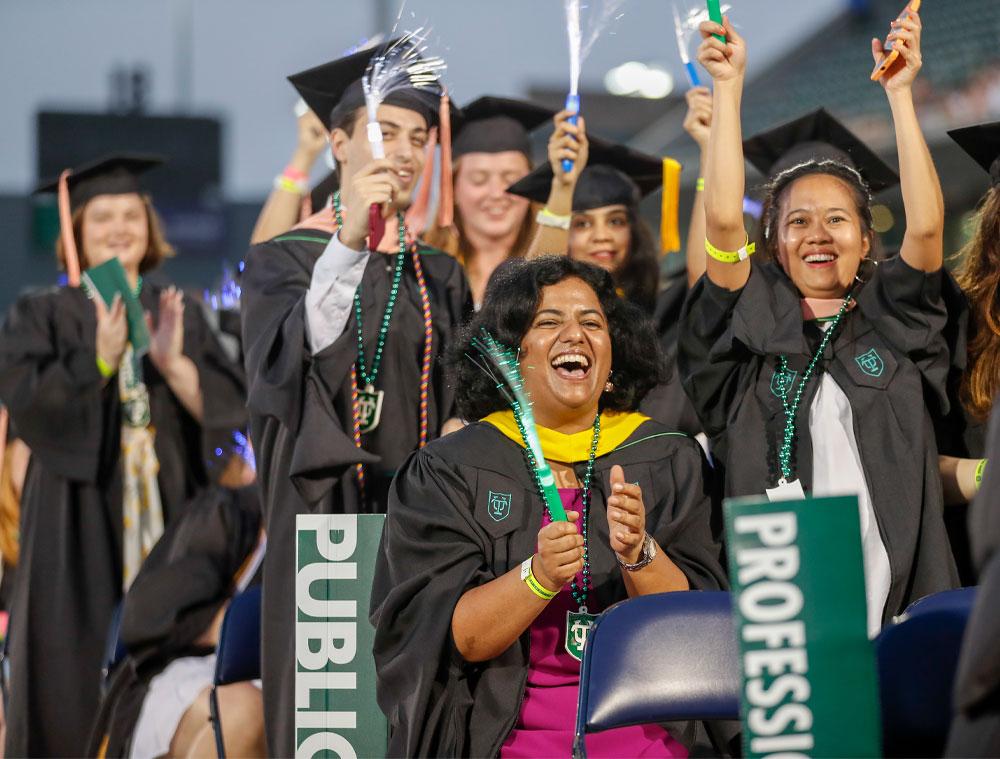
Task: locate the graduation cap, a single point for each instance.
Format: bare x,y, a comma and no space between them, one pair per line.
817,136
497,125
615,175
115,174
333,90
982,142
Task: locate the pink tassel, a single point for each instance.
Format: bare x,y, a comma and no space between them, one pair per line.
416,214
66,232
446,206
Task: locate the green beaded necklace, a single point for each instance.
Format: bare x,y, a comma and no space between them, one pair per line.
370,398
791,409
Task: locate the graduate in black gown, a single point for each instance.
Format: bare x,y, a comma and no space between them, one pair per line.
592,213
117,449
471,569
810,366
318,406
491,151
156,698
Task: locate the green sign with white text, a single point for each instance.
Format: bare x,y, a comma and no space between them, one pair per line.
336,714
809,678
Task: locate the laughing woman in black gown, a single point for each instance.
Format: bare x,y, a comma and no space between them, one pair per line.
102,481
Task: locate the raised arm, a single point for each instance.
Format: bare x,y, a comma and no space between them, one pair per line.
698,123
923,202
567,141
283,206
724,173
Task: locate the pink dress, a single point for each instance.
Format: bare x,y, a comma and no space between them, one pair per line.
547,720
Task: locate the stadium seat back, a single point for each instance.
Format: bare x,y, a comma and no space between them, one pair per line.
660,658
238,652
917,662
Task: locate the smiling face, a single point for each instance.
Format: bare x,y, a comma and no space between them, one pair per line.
481,182
115,226
601,236
404,136
566,356
821,241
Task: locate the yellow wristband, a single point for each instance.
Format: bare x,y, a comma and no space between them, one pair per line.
536,587
699,186
104,368
731,258
980,468
281,182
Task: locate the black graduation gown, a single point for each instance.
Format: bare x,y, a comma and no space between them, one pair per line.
440,541
186,579
729,348
667,403
300,408
70,571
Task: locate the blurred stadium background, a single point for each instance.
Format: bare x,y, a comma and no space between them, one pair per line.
204,84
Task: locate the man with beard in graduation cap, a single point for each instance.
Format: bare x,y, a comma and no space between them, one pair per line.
341,345
491,151
117,439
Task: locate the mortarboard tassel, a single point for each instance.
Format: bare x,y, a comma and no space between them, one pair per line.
72,258
416,214
446,204
670,236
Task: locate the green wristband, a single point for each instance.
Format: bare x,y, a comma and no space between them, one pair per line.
536,587
980,468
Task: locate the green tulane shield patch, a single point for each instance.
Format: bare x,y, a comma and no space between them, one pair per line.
808,668
499,506
782,382
871,363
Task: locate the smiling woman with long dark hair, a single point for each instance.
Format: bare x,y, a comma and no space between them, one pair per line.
481,601
812,369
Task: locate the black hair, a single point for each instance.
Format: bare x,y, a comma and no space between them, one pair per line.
639,275
777,187
512,297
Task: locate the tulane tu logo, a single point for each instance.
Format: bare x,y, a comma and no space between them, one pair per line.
871,363
782,382
499,507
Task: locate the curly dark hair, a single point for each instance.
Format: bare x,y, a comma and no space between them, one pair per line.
777,187
512,297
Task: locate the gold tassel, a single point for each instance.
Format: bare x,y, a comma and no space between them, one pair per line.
670,235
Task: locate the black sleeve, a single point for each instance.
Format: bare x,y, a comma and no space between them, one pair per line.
713,349
458,301
222,380
431,553
287,383
684,519
907,308
276,350
53,389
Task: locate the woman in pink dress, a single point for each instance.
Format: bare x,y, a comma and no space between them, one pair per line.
482,602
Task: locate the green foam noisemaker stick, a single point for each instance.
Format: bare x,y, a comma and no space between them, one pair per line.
106,280
511,385
715,14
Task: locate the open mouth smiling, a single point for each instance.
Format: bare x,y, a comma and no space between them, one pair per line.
572,365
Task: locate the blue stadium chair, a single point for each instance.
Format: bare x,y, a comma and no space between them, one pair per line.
238,652
917,659
659,658
114,648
